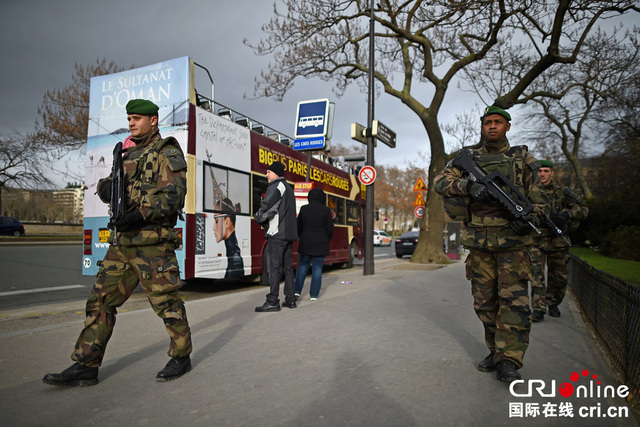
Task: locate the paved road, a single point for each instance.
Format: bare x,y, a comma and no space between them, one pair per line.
398,348
33,275
46,274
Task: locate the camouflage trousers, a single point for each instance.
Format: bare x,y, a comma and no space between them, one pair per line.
156,269
557,277
538,288
500,289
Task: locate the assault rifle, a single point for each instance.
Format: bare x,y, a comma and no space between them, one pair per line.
116,205
503,190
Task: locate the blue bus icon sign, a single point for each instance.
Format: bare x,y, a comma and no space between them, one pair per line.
311,118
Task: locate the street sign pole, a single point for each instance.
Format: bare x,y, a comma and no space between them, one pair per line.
369,207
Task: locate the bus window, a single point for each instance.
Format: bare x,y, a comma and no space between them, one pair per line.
259,188
336,204
340,212
353,211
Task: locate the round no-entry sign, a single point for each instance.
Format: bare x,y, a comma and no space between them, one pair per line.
367,175
419,211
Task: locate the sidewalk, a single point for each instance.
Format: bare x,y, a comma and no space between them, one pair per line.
398,348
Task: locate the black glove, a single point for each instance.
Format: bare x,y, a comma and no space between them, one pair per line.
131,221
521,226
104,191
560,220
478,192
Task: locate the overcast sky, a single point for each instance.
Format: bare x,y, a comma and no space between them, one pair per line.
41,40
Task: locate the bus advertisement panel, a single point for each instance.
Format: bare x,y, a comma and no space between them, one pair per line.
221,186
167,84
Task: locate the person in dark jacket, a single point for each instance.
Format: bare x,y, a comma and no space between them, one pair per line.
277,215
315,228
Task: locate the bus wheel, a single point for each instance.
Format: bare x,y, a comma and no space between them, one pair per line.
353,253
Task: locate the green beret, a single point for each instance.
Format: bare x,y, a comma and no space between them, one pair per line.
546,163
142,106
496,110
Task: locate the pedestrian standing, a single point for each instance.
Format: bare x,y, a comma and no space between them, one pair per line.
277,215
155,187
315,229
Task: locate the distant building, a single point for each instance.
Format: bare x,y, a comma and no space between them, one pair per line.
70,200
44,205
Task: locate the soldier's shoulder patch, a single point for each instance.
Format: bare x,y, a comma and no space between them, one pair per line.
531,161
570,194
175,157
535,165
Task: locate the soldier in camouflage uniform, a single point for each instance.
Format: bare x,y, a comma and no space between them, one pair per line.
499,262
155,188
565,209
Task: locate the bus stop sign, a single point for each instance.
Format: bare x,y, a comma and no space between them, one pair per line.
312,118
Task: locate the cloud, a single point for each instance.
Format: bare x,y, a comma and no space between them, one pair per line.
43,39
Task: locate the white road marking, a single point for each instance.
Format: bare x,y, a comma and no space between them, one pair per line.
34,291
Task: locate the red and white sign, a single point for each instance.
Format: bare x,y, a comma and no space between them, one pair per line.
419,211
367,175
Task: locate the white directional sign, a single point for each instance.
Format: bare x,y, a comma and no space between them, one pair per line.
367,175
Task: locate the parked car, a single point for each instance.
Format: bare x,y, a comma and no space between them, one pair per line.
406,243
381,238
11,227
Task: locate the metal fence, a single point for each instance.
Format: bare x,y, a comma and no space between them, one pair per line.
612,307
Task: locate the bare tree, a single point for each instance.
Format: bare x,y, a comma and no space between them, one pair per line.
465,131
21,164
394,194
64,113
428,43
619,114
566,118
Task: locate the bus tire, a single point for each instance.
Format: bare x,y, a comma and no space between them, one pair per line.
353,253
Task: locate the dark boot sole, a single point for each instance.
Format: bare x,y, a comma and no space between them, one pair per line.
76,383
508,379
175,377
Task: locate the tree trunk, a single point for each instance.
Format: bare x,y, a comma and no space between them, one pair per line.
429,248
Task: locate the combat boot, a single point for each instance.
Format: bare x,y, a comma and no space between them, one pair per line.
487,364
75,375
507,371
554,311
537,316
175,368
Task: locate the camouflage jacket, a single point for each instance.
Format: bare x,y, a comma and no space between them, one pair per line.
155,184
488,224
559,200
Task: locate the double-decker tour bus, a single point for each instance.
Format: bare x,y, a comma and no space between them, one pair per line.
227,155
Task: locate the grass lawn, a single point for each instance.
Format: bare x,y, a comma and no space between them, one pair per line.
629,271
